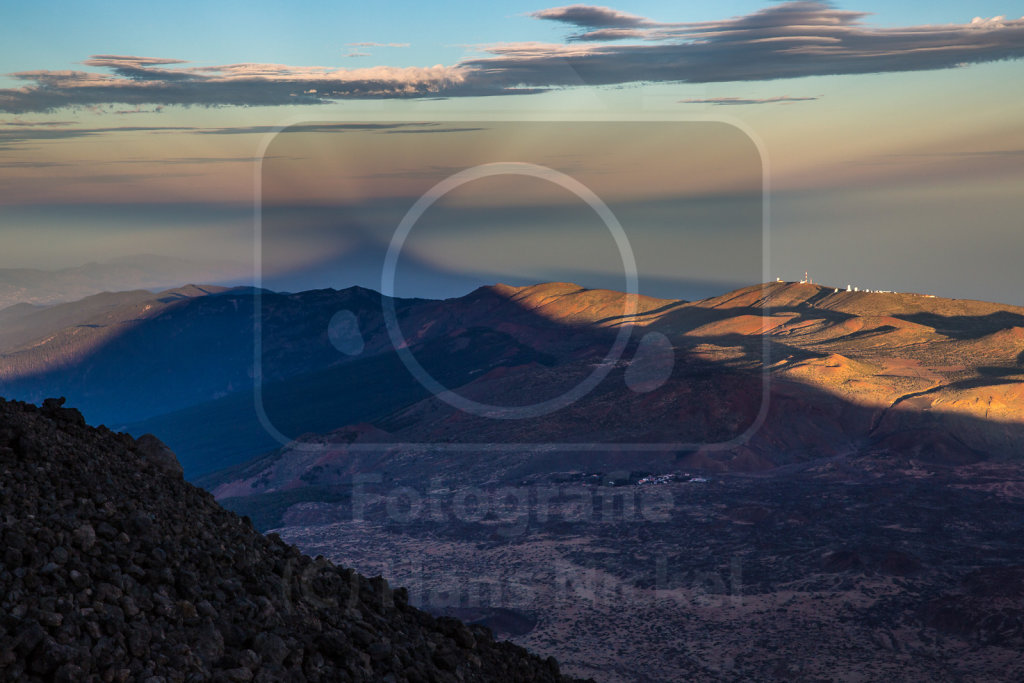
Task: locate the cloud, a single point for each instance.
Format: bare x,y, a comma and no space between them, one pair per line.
972,153
720,101
591,16
356,54
198,160
326,128
19,133
173,161
1010,155
787,40
372,44
143,81
138,68
454,129
139,110
138,61
14,137
26,132
38,124
32,164
605,35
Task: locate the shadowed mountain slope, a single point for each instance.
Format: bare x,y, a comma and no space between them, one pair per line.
693,374
114,568
759,378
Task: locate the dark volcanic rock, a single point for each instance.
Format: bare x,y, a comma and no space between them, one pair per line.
114,568
156,450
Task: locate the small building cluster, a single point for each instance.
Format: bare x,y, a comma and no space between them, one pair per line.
656,479
851,288
669,478
807,280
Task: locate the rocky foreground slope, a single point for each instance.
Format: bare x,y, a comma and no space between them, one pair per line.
114,568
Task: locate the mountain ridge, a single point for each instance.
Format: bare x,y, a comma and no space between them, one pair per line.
879,349
869,379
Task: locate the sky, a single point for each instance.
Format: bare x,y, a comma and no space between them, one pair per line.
867,143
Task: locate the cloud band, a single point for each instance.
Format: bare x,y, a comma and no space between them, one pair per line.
788,40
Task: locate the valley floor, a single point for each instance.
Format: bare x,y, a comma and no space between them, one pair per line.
857,569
